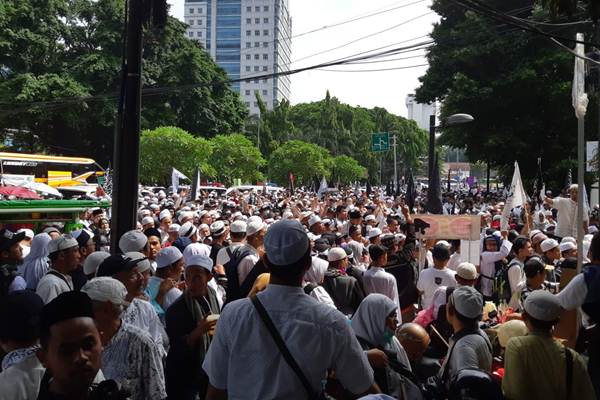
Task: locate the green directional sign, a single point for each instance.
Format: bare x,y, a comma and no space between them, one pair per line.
380,141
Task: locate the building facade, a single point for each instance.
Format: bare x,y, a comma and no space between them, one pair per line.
419,112
248,39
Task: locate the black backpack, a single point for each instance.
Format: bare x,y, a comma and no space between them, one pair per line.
474,384
8,273
501,287
236,290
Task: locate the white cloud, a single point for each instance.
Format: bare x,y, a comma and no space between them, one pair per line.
369,89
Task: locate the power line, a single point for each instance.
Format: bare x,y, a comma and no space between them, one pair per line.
363,37
372,70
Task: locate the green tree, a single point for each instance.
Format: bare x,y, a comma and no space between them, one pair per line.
516,84
235,156
306,161
169,147
56,51
346,170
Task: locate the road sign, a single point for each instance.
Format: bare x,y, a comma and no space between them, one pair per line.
380,141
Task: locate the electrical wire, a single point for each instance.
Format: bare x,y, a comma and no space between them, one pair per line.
372,70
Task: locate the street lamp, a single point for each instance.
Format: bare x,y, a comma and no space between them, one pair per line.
434,204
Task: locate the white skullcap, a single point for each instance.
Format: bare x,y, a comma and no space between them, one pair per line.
147,220
374,232
141,266
132,241
187,230
61,243
105,289
238,227
254,218
314,219
511,329
168,256
195,249
336,254
542,305
548,244
164,214
28,232
569,239
93,261
567,246
286,242
199,260
174,228
254,227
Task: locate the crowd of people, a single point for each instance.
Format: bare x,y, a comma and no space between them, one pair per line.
295,295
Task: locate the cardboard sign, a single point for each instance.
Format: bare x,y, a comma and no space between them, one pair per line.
464,227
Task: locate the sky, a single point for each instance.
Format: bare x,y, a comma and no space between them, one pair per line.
404,21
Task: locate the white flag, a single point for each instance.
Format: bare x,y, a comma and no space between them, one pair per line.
580,98
322,187
516,197
175,176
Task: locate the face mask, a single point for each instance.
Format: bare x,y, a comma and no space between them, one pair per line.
25,250
388,335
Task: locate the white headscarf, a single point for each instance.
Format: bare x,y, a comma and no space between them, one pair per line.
35,265
368,323
369,320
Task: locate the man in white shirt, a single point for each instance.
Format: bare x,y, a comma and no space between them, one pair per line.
377,280
237,233
490,254
255,233
65,256
567,213
431,279
243,352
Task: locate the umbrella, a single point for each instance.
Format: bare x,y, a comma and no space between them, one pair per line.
36,186
19,192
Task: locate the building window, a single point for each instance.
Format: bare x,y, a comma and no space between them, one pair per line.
247,68
199,22
257,8
247,92
266,20
248,104
265,56
264,92
248,21
248,9
257,56
256,68
257,21
266,8
256,80
256,44
257,32
200,10
191,10
265,68
266,32
191,34
248,56
199,34
248,44
248,33
191,22
265,44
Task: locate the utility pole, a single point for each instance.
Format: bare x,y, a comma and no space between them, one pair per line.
431,147
395,167
127,138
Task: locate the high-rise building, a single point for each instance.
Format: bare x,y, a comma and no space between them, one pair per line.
419,112
248,39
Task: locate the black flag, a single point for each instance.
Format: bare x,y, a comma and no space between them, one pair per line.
410,190
369,190
538,184
434,194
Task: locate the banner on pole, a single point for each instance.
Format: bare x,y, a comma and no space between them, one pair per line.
463,227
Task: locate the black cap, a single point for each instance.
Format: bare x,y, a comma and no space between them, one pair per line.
65,306
116,263
9,239
20,316
321,245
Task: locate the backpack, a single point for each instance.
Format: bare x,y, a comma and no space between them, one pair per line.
236,290
501,287
474,384
8,274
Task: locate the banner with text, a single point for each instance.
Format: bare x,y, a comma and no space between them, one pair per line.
464,227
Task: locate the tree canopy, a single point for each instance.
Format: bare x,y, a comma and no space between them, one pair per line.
342,130
307,161
185,152
346,170
235,156
55,52
516,84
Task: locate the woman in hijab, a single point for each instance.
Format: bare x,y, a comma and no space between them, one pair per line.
374,324
35,265
313,281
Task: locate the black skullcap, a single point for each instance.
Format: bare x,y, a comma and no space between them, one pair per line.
65,306
152,232
569,263
20,316
181,243
83,238
116,264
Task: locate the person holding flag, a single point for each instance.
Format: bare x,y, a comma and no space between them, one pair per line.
567,213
